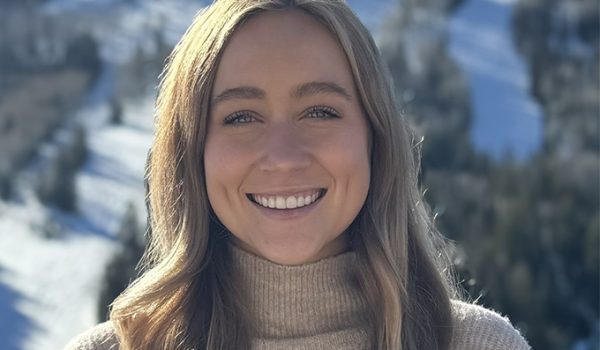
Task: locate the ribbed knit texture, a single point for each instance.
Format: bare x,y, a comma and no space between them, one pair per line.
318,306
303,307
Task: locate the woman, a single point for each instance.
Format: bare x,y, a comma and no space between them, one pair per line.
284,205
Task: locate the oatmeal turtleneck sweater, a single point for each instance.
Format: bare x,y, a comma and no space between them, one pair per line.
313,306
318,306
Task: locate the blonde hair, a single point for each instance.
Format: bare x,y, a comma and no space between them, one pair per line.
185,298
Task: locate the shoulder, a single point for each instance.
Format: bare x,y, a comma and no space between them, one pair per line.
477,328
100,337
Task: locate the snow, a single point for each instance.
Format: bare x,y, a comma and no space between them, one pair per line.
54,282
126,27
504,2
506,118
49,286
114,173
372,12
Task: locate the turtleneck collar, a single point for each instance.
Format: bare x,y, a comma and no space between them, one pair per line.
301,301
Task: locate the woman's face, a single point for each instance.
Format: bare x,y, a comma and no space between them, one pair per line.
287,149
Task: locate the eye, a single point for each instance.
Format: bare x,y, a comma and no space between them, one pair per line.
322,112
237,118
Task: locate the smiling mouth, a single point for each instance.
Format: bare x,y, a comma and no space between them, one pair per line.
286,202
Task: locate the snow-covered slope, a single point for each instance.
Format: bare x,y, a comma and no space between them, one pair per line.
505,116
126,27
49,286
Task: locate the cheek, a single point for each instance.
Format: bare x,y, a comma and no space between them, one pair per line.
349,161
358,146
224,167
360,169
361,149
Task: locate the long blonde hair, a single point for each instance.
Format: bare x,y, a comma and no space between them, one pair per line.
185,298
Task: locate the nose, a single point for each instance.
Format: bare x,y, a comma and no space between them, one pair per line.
284,150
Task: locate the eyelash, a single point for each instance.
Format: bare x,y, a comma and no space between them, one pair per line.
323,112
234,118
329,112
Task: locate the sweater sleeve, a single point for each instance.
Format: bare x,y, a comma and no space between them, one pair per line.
100,337
477,328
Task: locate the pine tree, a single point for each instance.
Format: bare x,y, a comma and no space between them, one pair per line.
122,268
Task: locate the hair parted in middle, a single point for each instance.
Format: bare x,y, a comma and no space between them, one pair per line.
185,298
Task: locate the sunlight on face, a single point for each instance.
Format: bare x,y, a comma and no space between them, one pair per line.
287,154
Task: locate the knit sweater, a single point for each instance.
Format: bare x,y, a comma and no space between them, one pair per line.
318,306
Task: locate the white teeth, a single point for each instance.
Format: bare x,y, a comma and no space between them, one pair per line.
289,202
280,202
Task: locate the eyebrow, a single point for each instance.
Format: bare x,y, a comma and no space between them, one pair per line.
241,92
302,90
318,87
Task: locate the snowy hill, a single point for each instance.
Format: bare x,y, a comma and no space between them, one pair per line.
506,119
49,286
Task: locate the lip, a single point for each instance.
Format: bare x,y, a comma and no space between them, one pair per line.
288,214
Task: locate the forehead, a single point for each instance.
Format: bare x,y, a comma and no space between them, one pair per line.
286,47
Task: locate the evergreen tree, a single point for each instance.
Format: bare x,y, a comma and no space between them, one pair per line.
116,111
122,268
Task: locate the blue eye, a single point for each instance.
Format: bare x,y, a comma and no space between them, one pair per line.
242,117
321,112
